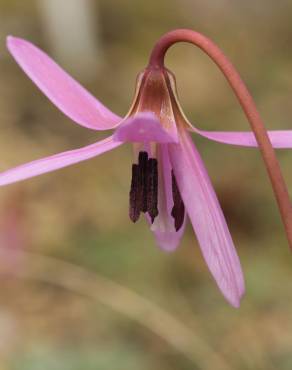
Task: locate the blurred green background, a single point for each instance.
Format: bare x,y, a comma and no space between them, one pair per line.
81,287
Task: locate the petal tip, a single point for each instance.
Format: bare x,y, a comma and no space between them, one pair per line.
9,41
167,246
168,241
235,304
12,41
234,298
13,44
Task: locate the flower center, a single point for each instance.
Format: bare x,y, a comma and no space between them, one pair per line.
144,191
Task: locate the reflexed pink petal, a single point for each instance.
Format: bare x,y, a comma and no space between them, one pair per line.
67,94
142,128
207,219
279,139
163,227
56,161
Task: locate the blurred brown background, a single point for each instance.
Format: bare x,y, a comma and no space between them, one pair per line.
54,315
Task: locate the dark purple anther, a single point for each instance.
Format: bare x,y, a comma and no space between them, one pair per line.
144,188
143,160
134,209
178,209
152,188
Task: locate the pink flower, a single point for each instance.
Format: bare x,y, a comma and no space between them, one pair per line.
169,179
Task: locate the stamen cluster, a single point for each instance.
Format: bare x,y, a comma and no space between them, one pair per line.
144,191
144,188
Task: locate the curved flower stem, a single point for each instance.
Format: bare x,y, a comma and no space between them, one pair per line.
247,103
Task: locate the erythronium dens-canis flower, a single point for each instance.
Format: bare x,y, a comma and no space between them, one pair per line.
169,179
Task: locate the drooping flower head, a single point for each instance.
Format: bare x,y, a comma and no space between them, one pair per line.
169,180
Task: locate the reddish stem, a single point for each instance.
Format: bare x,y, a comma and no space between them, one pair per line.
247,103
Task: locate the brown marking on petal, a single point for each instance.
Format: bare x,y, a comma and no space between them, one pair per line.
152,188
178,209
155,97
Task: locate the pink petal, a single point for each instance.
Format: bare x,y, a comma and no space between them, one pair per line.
56,161
70,97
279,139
163,228
207,219
143,128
